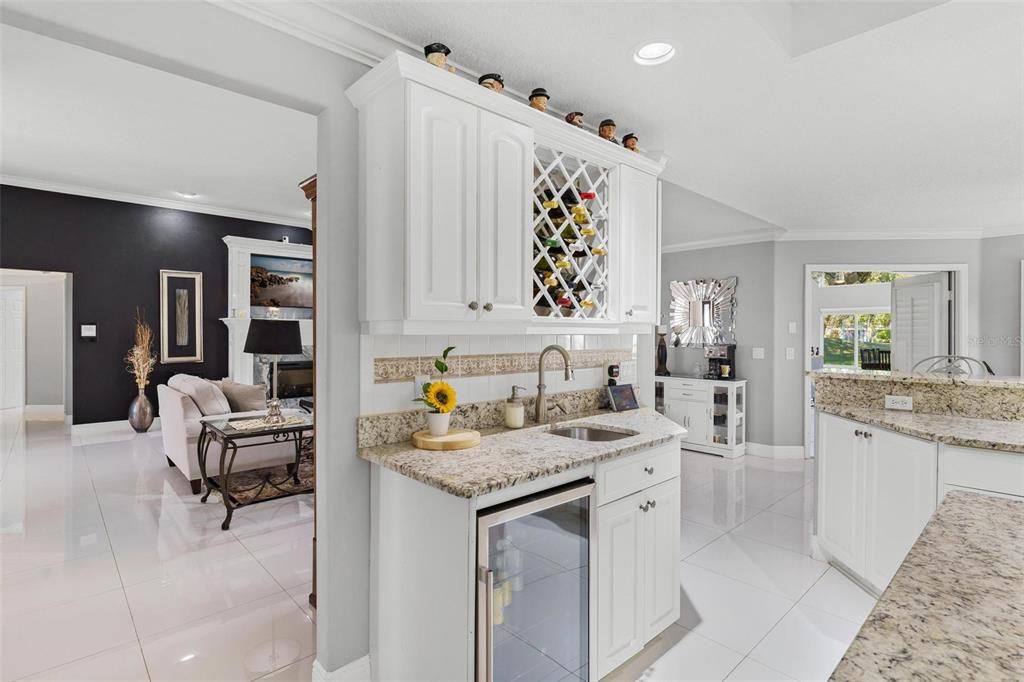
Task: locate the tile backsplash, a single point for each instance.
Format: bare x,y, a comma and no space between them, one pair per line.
481,367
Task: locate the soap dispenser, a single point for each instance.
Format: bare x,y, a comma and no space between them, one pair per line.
515,410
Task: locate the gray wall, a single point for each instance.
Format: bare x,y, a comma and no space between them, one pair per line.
752,264
45,325
688,217
771,295
999,325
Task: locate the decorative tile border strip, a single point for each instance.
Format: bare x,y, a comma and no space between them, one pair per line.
398,427
394,370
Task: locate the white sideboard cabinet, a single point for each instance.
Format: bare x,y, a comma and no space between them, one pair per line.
713,412
467,205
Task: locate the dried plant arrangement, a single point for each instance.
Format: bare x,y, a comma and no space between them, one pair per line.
140,359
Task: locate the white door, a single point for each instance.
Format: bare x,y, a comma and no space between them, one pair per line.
506,212
442,168
12,347
840,489
920,319
661,557
638,236
620,595
900,491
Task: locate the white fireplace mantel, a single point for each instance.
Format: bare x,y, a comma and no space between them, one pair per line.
240,251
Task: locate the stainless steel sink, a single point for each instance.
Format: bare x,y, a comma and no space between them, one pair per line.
588,433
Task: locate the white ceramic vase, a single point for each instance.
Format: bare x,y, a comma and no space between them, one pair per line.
437,422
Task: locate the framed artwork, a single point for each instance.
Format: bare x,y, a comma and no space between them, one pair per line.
181,316
280,282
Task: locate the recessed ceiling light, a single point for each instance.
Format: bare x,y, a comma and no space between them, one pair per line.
654,53
187,195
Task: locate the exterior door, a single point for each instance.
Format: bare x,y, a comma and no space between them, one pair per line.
900,491
638,235
506,212
12,347
442,218
840,498
661,557
920,319
620,629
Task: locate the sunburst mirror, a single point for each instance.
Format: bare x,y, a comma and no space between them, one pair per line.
703,312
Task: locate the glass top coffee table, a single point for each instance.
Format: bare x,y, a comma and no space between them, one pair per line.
240,433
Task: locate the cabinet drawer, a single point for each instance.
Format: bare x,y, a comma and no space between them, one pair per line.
697,395
626,476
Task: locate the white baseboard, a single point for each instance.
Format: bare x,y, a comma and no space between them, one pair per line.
356,671
119,425
775,451
43,413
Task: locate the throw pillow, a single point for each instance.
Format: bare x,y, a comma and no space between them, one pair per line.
244,397
207,396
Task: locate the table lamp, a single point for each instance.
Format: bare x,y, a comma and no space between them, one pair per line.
274,338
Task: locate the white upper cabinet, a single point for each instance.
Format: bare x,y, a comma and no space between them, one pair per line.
481,215
638,208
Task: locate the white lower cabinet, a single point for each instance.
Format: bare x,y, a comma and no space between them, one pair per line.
637,571
876,493
988,472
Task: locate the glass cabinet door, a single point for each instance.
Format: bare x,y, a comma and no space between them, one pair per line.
720,416
533,603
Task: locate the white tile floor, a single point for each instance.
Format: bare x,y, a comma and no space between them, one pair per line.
110,569
755,604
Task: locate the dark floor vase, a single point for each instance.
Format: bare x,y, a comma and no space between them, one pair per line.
140,413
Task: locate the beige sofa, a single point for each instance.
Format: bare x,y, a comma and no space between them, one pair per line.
184,404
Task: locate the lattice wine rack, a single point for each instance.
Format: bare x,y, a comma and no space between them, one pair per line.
570,236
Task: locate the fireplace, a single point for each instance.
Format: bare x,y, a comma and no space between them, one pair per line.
294,379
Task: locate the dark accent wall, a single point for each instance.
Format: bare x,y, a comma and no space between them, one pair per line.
115,252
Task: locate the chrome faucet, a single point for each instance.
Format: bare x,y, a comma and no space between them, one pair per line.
541,415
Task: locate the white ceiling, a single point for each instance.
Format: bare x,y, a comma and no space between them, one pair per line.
886,120
82,121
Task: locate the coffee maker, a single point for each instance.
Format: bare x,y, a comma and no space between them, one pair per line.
719,358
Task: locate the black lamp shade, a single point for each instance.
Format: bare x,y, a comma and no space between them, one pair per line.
273,337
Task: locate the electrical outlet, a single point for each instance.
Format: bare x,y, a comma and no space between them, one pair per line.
899,402
792,327
758,354
791,353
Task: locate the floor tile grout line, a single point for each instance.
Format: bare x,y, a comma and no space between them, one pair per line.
117,566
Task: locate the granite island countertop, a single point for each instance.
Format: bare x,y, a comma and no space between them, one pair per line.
967,432
506,458
955,608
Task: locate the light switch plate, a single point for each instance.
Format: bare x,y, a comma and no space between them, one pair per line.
791,353
792,327
899,402
758,354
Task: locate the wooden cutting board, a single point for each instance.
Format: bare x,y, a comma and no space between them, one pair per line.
455,439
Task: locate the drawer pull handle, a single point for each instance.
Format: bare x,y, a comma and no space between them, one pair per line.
649,470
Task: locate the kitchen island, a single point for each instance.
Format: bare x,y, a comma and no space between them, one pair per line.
536,554
955,608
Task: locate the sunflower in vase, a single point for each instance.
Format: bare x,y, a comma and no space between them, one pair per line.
439,397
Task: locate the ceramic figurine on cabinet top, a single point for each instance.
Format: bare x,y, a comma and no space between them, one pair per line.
629,141
492,81
437,54
607,130
575,118
539,99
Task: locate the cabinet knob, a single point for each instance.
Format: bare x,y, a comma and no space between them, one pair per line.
473,305
649,470
652,503
629,313
868,434
488,307
645,507
858,433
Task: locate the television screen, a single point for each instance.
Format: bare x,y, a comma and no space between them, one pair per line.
279,282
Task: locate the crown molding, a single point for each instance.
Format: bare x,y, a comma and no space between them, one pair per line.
804,235
1005,231
190,206
751,237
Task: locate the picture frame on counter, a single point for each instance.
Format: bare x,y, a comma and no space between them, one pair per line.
181,316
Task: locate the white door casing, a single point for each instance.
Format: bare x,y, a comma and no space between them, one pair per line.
920,319
12,346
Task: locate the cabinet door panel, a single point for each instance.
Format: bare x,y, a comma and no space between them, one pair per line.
638,235
661,557
506,185
442,207
696,422
840,497
619,582
900,491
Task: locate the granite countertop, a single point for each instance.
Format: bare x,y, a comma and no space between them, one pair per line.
505,458
987,434
955,609
908,378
